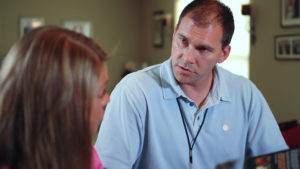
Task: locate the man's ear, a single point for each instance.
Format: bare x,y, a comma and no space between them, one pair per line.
225,54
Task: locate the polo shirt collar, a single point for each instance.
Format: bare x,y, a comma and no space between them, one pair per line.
221,84
171,89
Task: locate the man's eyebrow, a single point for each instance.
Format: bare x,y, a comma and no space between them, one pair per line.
182,35
199,46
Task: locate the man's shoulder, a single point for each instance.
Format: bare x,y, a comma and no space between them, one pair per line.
230,77
142,78
145,73
234,81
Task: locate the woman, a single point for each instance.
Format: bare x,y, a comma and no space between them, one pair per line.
52,99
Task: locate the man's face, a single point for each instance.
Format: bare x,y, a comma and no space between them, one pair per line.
196,50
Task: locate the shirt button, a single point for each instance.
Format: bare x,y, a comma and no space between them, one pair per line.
225,127
198,118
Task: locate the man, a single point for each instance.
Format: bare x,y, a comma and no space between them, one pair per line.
187,111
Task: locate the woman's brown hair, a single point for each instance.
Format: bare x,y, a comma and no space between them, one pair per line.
47,83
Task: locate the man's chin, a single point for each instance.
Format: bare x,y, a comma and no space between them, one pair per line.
183,80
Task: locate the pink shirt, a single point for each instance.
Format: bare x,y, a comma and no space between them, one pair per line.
96,162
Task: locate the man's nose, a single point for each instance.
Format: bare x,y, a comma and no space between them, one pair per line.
188,55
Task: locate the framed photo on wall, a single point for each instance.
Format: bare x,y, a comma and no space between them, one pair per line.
287,46
29,23
158,39
290,13
84,27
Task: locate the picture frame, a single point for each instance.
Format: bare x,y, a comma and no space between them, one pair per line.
29,23
290,13
84,27
287,47
158,38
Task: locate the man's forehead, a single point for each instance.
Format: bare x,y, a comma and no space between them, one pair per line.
188,20
202,18
189,30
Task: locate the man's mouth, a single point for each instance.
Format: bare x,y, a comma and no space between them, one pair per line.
185,69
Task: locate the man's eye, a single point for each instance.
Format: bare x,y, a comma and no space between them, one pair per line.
182,41
202,49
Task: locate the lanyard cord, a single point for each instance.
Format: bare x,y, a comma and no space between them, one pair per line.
191,145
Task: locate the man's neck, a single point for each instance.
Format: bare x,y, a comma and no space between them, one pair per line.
199,90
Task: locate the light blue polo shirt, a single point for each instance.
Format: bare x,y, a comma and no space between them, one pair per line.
142,126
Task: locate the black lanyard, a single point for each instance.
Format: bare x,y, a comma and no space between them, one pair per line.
191,144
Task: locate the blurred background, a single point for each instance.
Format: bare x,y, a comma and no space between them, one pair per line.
138,33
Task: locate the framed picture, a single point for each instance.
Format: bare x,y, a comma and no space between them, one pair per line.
158,39
29,23
287,46
290,12
83,27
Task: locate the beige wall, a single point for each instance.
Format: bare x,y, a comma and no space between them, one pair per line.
150,54
113,22
279,80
